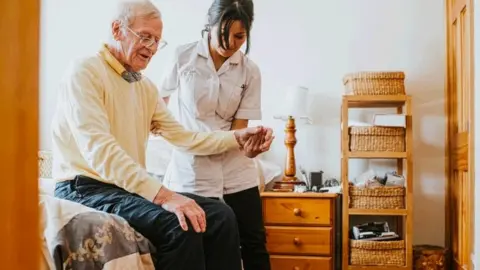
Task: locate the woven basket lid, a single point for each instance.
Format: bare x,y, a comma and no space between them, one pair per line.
377,131
372,75
377,245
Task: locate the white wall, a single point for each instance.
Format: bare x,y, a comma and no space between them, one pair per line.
305,42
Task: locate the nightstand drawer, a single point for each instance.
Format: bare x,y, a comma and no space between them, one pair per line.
299,240
297,211
300,263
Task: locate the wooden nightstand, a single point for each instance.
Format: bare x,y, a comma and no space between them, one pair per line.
301,229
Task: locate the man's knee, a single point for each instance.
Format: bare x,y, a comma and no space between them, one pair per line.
167,231
189,235
216,211
224,214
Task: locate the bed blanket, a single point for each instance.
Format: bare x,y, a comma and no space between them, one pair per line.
78,237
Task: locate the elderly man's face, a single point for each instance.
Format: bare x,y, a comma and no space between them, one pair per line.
137,50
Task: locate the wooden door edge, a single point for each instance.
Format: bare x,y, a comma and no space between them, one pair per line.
448,135
471,143
19,98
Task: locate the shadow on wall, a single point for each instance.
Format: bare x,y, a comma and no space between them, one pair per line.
428,156
427,85
429,151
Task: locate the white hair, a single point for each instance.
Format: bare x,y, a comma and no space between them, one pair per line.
128,10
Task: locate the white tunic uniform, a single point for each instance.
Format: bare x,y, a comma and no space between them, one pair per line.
209,100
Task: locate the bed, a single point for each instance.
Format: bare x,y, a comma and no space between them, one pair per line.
77,237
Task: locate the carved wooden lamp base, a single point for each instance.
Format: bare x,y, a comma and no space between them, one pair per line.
289,179
286,186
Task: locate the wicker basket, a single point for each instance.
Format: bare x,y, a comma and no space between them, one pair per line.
364,252
45,160
380,139
375,83
428,257
377,197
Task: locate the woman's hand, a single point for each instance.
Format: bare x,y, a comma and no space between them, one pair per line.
254,141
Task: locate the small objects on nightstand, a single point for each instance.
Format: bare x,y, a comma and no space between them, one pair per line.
308,182
300,188
331,185
305,177
316,179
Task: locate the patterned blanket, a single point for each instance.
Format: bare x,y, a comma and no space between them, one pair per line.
80,238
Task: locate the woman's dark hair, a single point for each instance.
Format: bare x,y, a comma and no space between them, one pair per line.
226,12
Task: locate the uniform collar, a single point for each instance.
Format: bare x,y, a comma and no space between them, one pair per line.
202,50
129,76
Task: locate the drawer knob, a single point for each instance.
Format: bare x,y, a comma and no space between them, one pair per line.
296,241
296,268
297,212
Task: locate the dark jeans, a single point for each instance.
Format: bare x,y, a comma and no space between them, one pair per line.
216,249
247,206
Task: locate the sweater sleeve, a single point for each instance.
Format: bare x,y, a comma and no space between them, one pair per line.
197,143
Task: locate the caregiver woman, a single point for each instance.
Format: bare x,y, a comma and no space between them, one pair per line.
218,88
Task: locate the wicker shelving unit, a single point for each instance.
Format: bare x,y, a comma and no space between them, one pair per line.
404,214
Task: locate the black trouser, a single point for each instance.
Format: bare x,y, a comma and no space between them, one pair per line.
247,206
216,249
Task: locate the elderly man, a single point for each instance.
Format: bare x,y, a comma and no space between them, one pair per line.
106,109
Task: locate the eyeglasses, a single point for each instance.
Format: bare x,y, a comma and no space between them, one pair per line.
148,41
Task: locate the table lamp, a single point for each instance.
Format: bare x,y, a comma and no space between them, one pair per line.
296,108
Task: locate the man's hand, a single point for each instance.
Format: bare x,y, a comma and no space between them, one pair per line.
254,140
182,206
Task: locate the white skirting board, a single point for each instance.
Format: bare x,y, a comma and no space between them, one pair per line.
475,261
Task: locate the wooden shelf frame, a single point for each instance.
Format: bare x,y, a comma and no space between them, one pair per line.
378,212
377,155
403,105
368,102
373,267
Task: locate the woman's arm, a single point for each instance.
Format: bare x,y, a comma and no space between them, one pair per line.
250,106
252,141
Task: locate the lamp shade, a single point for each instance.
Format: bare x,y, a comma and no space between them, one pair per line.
296,102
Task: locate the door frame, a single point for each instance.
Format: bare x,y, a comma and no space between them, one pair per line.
19,82
450,136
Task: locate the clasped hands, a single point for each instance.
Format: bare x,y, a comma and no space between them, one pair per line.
252,141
